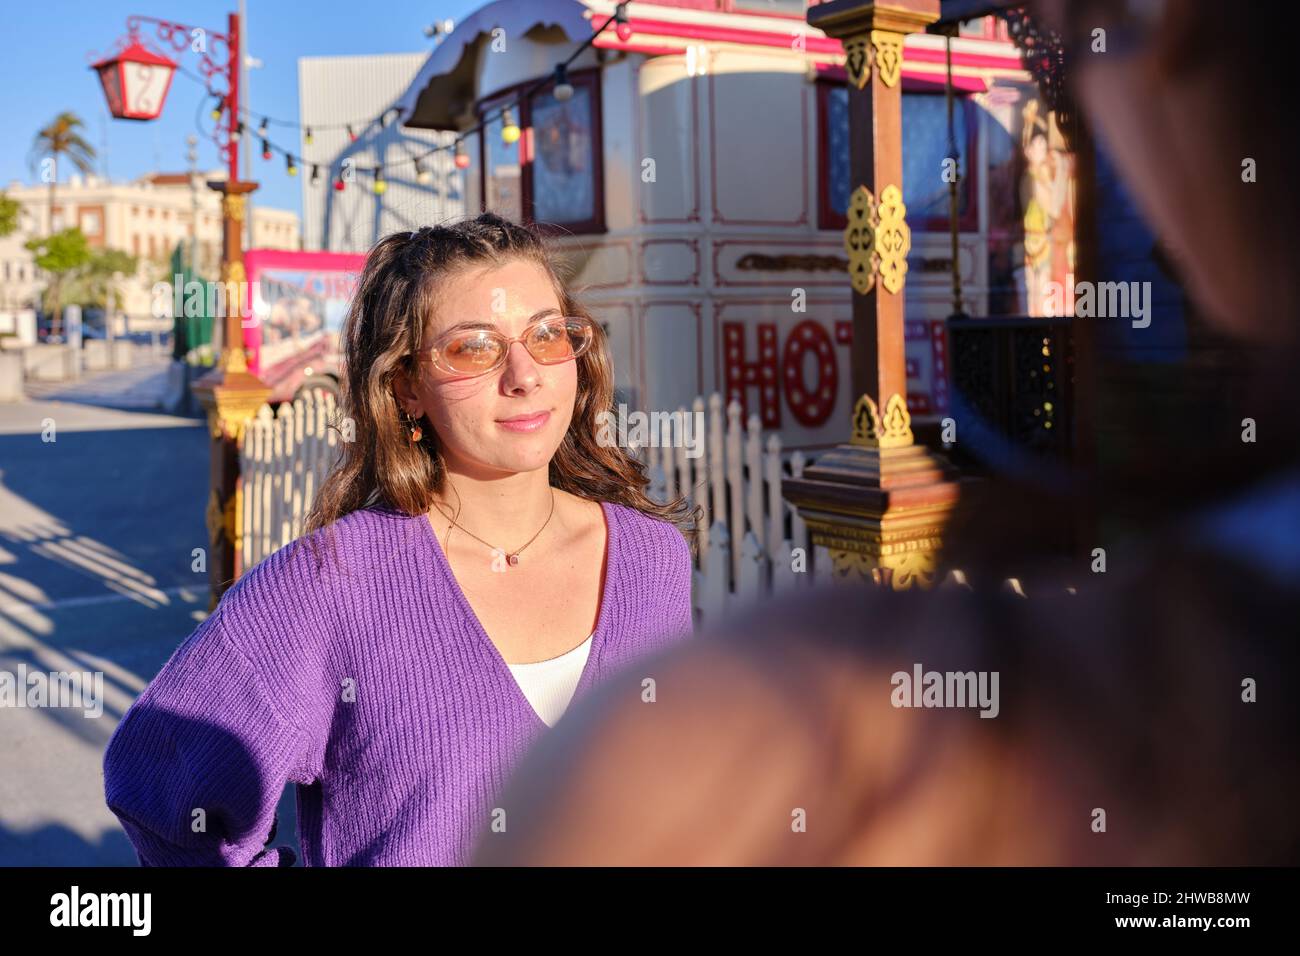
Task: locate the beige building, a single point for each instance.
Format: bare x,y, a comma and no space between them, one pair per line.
147,218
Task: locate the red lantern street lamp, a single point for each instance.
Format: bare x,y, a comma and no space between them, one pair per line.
135,81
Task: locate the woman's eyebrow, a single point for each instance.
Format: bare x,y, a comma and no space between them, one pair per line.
480,324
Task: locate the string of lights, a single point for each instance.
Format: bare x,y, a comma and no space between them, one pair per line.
558,79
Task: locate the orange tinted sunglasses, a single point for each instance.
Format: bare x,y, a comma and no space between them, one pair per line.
549,341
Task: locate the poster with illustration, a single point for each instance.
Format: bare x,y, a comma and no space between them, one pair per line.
1031,179
298,299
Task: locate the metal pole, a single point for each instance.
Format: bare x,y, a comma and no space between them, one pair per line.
244,143
236,52
952,184
110,320
108,316
193,157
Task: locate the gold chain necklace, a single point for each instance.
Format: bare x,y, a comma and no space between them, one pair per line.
511,556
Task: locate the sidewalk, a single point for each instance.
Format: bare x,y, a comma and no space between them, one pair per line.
139,388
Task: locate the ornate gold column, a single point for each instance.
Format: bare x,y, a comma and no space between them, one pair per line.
231,396
879,503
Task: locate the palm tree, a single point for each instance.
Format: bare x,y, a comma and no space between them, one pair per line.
60,138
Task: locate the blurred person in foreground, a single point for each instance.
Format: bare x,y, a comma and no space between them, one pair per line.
1150,718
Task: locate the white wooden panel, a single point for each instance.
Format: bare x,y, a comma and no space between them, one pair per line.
670,343
748,146
668,136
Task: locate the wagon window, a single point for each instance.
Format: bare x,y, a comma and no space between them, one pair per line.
925,145
564,179
551,175
502,186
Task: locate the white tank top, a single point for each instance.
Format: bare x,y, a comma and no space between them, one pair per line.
549,685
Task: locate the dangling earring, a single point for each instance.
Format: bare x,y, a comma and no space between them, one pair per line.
416,432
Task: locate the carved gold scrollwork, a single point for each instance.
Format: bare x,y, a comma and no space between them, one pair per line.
222,519
888,49
232,207
234,360
893,239
857,60
233,272
235,278
873,430
898,571
860,240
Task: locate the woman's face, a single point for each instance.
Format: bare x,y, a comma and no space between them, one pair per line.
470,414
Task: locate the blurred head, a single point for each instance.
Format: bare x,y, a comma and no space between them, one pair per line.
402,332
1188,97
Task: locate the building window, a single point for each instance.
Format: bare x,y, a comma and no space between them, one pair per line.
563,168
502,175
90,223
925,145
552,176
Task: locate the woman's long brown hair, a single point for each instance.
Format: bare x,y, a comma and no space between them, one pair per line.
381,336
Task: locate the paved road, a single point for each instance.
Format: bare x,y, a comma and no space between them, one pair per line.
97,530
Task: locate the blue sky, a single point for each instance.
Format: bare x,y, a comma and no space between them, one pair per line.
45,70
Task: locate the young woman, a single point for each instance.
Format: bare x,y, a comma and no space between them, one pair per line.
476,560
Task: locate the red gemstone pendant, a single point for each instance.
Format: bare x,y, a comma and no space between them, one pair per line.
514,559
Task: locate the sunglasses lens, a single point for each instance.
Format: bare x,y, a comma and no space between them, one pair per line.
558,340
550,342
472,353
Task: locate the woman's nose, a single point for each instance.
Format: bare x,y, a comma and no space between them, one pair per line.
520,369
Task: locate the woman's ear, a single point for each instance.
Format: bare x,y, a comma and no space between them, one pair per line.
407,400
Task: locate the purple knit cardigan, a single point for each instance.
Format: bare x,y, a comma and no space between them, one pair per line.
370,683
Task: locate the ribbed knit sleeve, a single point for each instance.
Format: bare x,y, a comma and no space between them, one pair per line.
196,767
681,570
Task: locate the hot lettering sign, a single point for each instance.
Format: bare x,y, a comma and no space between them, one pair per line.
805,368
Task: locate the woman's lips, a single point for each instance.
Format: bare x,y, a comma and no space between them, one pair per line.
525,424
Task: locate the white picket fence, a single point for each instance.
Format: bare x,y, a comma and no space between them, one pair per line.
736,481
283,459
286,455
